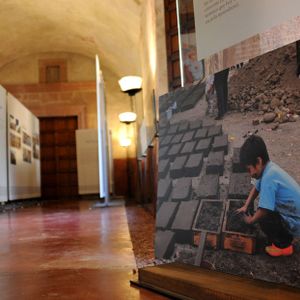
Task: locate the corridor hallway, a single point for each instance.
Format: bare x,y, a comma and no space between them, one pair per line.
66,250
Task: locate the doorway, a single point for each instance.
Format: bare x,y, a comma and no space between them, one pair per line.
58,157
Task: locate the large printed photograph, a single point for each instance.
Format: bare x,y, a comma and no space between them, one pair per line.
229,161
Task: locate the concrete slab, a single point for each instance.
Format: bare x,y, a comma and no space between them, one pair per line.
208,187
188,147
166,214
204,146
188,136
239,185
177,138
201,133
185,215
162,152
164,243
182,190
177,168
163,168
196,124
166,140
215,163
173,129
221,144
193,165
183,126
164,189
214,131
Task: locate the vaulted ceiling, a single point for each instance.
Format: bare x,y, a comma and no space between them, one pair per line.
109,28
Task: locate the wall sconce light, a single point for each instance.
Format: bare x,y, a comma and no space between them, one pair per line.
130,84
127,117
125,142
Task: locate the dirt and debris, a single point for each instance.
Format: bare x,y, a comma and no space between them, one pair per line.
210,215
268,85
235,222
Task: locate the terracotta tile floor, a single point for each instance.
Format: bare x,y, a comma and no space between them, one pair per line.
65,250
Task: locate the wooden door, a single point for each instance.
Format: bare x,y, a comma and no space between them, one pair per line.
172,44
58,157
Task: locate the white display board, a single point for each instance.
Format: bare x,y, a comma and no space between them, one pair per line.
223,23
3,147
87,161
24,175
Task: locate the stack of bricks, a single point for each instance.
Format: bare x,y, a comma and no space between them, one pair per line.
192,155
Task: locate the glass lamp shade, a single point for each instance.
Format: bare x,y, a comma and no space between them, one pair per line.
127,117
130,84
125,142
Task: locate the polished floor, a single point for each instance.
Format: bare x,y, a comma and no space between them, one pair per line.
66,250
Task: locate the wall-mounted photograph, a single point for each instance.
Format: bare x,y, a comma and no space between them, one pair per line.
36,151
15,141
229,161
14,124
26,155
26,139
13,157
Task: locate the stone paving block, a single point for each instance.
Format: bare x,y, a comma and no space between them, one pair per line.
206,123
183,222
239,185
208,187
185,215
193,98
162,132
214,131
164,189
201,133
220,143
174,150
166,140
215,163
204,146
237,167
193,165
189,147
177,168
163,123
173,129
182,190
164,243
166,214
183,126
177,138
188,136
195,124
162,152
163,168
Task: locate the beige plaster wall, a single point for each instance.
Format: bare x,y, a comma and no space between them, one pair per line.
153,59
25,69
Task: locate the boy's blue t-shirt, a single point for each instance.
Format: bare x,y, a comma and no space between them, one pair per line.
278,191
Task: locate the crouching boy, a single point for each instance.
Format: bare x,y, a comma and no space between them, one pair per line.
278,213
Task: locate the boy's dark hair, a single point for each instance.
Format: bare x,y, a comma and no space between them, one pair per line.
253,147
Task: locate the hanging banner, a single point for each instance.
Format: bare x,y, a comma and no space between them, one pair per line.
3,148
24,175
224,23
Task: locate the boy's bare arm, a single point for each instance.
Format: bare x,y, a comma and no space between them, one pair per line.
252,196
259,214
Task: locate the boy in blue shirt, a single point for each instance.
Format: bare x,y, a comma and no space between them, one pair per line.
278,212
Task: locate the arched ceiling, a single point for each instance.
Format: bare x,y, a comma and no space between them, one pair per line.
109,28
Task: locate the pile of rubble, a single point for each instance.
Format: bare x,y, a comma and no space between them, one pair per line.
269,85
